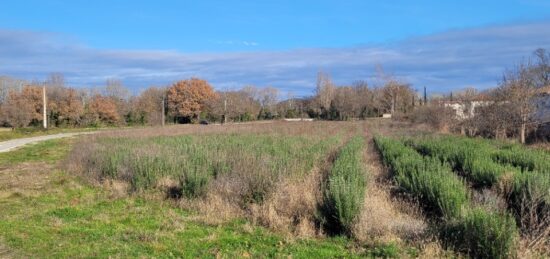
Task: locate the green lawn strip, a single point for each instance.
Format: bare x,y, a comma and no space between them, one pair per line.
86,223
49,151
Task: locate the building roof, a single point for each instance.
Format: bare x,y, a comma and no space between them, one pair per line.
544,90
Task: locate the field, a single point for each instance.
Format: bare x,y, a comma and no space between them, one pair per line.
313,189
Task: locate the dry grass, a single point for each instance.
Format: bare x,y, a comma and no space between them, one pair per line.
274,127
25,179
386,218
291,209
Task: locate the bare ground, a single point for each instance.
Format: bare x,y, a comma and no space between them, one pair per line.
28,179
385,218
5,252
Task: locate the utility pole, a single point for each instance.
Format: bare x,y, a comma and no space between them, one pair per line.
224,109
162,109
45,118
425,96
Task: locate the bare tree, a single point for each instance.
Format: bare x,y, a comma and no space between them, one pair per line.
116,90
268,97
517,90
542,68
325,90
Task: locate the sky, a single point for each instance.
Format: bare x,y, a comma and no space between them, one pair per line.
443,45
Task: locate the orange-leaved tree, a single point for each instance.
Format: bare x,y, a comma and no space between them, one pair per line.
23,108
103,109
188,98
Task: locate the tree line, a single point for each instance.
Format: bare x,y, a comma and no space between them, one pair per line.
508,110
190,101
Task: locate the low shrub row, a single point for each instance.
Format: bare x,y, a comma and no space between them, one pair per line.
522,174
257,161
473,231
481,234
433,183
470,157
525,158
345,190
529,200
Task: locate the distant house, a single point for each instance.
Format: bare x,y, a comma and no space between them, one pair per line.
465,110
542,104
297,119
386,115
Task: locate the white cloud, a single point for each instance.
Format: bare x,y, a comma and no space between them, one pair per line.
442,61
232,42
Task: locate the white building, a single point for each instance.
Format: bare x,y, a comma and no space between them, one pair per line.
465,110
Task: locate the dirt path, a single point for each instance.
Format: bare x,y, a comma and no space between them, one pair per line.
386,218
15,143
5,252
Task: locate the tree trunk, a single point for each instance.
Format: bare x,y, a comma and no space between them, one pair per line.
522,133
392,110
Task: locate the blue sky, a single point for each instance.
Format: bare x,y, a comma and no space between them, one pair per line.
444,45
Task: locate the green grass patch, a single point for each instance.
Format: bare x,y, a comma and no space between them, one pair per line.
49,151
85,222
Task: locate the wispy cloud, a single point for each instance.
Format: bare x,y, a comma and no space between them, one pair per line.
233,42
442,61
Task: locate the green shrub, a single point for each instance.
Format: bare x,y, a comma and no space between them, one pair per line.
345,192
194,184
436,187
529,199
525,158
471,157
433,183
390,250
145,170
482,234
257,161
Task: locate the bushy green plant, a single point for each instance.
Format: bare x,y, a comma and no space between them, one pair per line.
482,234
525,158
471,157
194,160
146,169
433,183
194,184
345,192
529,199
